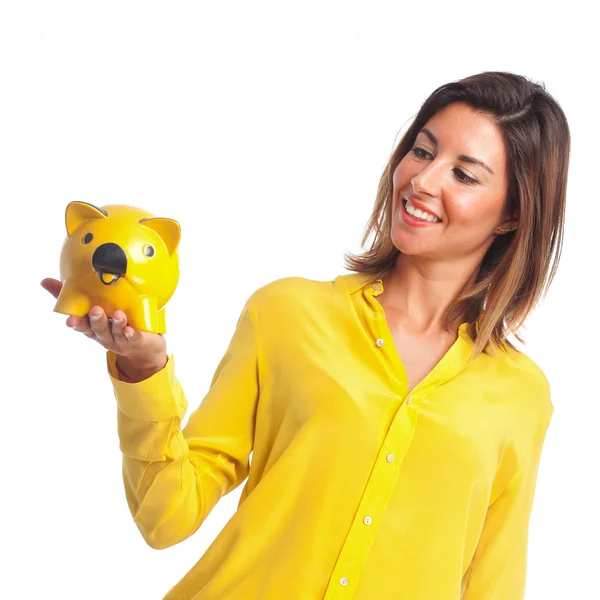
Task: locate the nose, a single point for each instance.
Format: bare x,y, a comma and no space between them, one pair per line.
110,258
429,180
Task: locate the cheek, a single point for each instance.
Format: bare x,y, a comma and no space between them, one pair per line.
404,172
471,207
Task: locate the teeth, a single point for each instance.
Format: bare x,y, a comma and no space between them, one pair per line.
420,214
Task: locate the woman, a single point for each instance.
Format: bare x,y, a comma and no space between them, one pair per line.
395,432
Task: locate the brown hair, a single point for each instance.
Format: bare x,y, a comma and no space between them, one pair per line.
519,266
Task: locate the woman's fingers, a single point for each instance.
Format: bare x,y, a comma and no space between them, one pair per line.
121,332
79,324
100,326
114,333
52,285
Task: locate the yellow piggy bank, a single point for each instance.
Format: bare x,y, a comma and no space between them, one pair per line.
119,257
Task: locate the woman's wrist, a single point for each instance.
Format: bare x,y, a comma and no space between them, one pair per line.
132,372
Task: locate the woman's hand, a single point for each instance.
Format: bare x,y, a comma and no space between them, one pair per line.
141,353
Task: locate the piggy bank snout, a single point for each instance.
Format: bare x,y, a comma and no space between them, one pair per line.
110,261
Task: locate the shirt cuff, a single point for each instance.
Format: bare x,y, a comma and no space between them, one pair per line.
154,399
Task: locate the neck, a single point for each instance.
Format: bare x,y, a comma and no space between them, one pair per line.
419,292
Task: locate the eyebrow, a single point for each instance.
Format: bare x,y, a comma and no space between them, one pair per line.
463,157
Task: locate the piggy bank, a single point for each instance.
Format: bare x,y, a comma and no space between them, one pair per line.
119,257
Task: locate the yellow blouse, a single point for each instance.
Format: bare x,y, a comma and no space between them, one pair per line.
355,489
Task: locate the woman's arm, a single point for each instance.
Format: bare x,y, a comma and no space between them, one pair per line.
498,568
173,478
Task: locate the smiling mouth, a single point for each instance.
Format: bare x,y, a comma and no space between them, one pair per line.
418,214
108,278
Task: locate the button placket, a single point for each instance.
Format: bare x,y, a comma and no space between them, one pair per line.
381,337
373,504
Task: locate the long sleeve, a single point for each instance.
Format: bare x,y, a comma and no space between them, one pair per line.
498,569
173,478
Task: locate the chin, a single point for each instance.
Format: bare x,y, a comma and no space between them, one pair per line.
414,244
403,242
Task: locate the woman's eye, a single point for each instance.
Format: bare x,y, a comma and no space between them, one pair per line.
460,175
420,153
463,177
149,250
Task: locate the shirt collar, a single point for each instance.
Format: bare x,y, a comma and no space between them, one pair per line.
358,281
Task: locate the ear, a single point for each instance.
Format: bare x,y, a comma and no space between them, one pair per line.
510,223
167,229
80,212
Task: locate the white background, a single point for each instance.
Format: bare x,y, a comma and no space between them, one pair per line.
262,127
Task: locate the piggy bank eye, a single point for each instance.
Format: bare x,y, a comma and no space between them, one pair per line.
87,238
149,250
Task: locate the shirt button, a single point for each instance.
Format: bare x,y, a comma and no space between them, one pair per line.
367,520
376,287
380,342
409,400
390,458
344,581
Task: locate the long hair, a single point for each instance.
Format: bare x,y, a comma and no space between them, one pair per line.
519,266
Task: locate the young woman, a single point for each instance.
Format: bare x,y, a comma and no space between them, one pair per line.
395,432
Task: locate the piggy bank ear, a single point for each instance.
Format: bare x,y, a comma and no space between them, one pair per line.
168,230
80,212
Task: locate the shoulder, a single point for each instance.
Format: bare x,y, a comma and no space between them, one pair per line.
518,392
301,306
529,373
528,382
297,292
289,286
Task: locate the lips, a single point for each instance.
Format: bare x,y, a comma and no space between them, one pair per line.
417,204
414,222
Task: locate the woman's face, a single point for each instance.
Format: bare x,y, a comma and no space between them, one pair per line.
456,170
